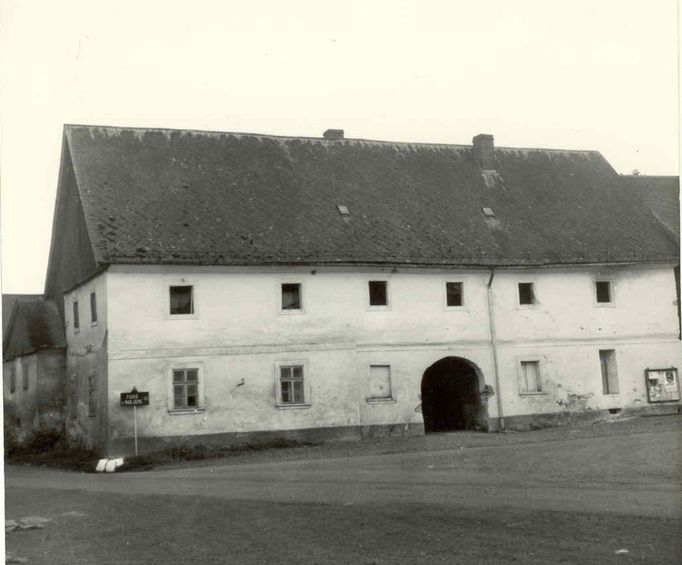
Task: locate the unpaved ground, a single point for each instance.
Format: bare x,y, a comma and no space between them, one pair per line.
551,496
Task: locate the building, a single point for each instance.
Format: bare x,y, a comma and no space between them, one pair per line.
33,366
261,286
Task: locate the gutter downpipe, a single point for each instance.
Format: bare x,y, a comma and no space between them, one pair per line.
493,344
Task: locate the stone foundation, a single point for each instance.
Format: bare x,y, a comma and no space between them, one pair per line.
125,445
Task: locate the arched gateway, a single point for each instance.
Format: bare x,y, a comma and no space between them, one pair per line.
451,396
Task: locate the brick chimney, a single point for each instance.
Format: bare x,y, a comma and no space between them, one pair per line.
333,134
484,151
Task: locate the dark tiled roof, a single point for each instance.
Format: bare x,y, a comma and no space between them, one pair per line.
34,324
8,302
170,196
661,194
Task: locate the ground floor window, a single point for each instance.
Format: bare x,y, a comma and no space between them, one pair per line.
379,382
291,383
92,396
609,371
73,395
530,381
186,388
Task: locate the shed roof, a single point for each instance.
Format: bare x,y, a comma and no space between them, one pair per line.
189,197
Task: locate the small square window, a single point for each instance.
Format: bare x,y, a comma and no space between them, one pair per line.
378,293
454,293
76,318
526,293
291,296
292,390
185,388
93,307
603,289
181,300
530,377
379,382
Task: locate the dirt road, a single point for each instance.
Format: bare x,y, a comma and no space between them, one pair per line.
610,496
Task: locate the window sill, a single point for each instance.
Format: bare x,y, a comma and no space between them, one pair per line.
380,400
292,312
539,393
281,406
604,305
527,306
378,308
456,308
181,411
93,324
182,316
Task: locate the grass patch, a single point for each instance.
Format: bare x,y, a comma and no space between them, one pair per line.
200,452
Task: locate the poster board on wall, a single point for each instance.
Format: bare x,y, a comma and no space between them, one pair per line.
662,385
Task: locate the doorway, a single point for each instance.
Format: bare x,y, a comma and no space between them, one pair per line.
451,398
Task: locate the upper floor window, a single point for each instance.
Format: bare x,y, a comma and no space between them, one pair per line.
378,293
454,294
24,376
93,307
291,296
12,380
181,300
603,290
76,318
527,293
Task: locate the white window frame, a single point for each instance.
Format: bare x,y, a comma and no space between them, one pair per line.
381,399
389,301
296,311
307,402
201,385
167,302
521,377
612,293
444,293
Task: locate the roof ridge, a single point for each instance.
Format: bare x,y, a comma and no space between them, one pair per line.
320,139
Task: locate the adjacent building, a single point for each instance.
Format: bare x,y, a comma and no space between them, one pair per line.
33,366
259,286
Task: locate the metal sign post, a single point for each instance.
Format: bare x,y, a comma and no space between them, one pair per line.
135,399
135,425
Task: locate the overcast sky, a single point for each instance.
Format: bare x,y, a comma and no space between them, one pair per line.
582,74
